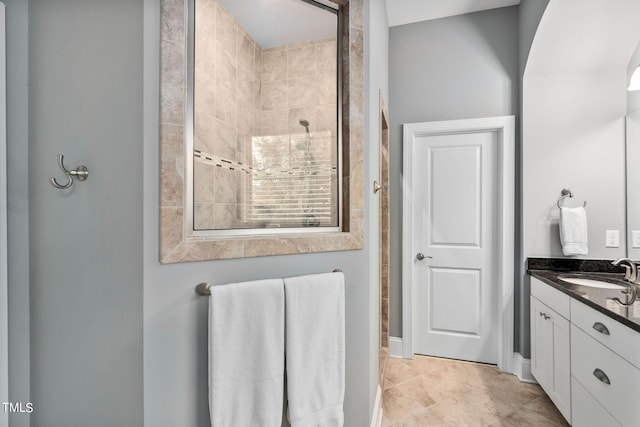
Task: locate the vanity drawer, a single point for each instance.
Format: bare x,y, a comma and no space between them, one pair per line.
618,337
590,360
553,298
587,411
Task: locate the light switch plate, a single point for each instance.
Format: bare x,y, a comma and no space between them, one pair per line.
612,239
635,236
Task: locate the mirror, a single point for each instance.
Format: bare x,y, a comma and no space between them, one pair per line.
265,144
633,184
632,154
325,189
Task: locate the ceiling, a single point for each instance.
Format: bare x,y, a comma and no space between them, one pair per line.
400,12
296,21
274,23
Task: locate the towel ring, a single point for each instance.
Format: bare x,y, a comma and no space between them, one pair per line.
567,193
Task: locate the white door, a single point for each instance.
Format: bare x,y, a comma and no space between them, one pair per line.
455,222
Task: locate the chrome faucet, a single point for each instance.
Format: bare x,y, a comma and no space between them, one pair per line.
631,270
631,275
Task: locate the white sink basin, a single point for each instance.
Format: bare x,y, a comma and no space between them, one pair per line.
592,283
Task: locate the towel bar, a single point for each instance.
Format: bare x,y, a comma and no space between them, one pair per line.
204,289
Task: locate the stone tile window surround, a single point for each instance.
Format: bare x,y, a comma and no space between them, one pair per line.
177,242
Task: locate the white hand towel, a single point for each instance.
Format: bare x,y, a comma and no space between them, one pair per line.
573,231
315,349
246,354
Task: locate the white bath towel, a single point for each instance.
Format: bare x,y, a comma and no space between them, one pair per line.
315,349
246,354
573,231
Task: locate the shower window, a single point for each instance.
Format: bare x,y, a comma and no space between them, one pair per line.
265,144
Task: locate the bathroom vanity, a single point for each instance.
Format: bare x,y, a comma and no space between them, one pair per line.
585,346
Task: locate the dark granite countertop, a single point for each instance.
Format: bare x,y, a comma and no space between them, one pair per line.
597,298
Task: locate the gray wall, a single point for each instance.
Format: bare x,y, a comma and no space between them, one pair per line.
451,68
633,98
530,13
18,204
175,319
581,147
85,101
86,339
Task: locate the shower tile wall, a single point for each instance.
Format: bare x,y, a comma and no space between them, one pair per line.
244,91
226,111
384,240
384,243
299,82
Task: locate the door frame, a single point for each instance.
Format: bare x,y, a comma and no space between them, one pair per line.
505,128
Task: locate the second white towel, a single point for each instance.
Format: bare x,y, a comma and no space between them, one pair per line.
315,349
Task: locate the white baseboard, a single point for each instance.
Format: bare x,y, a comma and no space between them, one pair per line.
522,369
376,417
395,347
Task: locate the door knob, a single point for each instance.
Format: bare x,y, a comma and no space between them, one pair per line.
421,256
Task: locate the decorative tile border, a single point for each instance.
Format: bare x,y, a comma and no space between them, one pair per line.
174,246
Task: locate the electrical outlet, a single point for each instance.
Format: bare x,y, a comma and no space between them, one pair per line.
612,239
635,238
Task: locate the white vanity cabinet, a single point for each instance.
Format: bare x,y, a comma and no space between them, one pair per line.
587,362
550,344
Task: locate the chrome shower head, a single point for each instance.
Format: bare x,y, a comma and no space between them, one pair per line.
305,123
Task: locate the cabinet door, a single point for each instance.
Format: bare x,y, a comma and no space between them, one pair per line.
550,355
540,350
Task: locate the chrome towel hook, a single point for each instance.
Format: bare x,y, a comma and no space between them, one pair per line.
81,172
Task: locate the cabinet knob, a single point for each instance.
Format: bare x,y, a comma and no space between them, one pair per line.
599,374
601,328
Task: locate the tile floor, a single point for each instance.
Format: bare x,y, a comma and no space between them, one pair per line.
429,391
